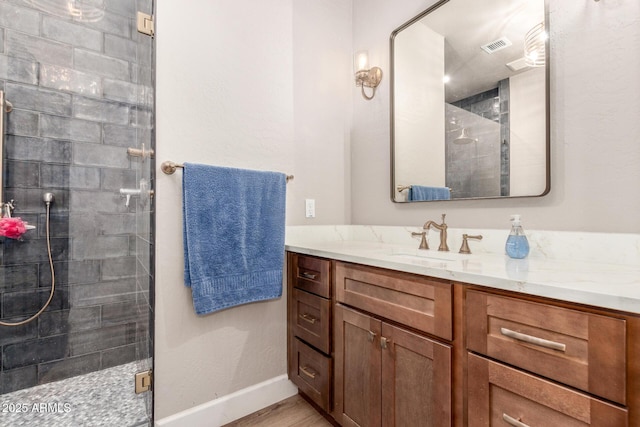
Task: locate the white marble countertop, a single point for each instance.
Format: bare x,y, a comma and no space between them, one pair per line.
582,277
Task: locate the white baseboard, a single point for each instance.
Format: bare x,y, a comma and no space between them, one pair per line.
233,406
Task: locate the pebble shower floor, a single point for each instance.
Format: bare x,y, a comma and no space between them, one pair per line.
103,398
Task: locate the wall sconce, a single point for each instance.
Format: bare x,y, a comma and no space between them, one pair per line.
365,76
534,46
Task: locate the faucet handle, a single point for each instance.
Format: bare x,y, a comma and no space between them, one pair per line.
464,249
423,241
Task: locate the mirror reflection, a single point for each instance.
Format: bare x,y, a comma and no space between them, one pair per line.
470,102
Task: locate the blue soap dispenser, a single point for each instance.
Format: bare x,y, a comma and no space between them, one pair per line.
517,245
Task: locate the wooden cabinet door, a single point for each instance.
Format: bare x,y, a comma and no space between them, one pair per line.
388,376
357,368
416,380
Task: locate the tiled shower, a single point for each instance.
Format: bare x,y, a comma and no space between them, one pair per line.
82,95
481,168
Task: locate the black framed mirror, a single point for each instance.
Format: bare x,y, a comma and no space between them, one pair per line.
470,102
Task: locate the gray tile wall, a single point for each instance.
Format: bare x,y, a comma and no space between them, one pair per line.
479,169
82,93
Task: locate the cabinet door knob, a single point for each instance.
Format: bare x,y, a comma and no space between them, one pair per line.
533,340
384,342
308,318
371,336
308,372
512,421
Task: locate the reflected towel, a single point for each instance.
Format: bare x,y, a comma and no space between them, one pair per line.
420,192
233,231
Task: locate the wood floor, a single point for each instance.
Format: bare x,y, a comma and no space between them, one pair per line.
291,412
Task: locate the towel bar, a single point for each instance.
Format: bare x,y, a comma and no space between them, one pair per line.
401,188
169,168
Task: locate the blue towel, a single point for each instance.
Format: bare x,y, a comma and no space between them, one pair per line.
233,230
420,192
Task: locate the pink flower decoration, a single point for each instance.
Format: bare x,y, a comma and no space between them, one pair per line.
12,228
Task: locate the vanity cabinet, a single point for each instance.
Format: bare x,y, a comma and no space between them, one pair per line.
309,312
376,347
388,372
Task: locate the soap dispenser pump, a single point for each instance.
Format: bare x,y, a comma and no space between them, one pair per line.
517,245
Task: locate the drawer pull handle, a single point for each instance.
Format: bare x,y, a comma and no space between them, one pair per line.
533,340
512,421
308,318
309,276
308,372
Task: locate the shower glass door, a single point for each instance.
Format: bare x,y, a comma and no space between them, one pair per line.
77,231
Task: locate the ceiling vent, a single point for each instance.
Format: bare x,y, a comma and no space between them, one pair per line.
496,45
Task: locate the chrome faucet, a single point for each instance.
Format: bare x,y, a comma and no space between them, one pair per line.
443,232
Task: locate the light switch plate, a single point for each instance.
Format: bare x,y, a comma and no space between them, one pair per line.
310,208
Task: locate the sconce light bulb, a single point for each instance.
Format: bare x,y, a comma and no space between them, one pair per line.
361,60
446,79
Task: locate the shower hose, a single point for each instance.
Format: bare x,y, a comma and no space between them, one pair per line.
53,278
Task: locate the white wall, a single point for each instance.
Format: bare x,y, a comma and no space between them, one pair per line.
595,131
236,86
526,122
373,22
419,112
322,73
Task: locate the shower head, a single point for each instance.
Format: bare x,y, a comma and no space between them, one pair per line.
464,138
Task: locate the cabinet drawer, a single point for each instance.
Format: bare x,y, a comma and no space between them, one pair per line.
504,396
312,373
312,319
583,350
419,302
312,275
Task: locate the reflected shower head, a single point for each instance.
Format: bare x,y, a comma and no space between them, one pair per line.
464,138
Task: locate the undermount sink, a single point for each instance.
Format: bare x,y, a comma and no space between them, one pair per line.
429,255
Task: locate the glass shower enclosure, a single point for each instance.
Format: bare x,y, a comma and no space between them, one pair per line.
76,217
